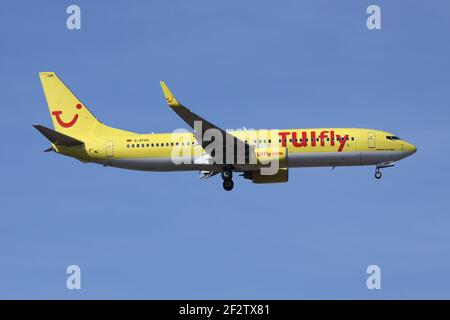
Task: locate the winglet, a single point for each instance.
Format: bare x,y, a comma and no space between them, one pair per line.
170,98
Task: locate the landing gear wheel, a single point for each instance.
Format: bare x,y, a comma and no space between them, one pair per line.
378,175
228,184
227,174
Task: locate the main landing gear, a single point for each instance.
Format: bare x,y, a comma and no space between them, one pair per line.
227,176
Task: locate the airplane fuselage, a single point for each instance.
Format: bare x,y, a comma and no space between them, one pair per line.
323,147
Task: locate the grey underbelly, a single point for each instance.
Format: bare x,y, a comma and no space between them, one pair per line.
306,159
328,159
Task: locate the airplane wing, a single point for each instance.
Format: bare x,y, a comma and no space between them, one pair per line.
190,118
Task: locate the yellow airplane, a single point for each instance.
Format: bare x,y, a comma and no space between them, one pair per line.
263,156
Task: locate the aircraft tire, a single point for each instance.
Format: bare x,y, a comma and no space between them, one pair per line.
228,184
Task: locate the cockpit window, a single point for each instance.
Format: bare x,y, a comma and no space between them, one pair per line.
392,138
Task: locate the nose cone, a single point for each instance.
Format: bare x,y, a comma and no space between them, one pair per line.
410,148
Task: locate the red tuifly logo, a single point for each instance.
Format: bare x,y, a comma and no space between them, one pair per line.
62,123
303,140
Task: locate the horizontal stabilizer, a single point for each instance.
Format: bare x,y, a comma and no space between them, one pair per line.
58,138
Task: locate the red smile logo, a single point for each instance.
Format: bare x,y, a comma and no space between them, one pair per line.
63,124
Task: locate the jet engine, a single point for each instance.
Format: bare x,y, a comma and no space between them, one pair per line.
257,177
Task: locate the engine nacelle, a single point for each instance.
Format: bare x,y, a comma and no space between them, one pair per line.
281,176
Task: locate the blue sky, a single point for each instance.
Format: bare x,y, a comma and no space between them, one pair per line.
259,64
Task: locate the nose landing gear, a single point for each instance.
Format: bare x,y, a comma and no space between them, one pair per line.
227,176
381,165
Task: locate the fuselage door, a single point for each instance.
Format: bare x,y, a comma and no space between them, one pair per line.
371,139
109,148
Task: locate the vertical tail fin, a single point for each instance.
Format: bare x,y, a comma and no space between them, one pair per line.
69,115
